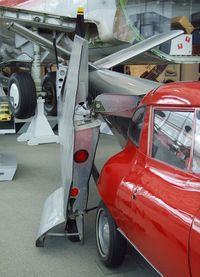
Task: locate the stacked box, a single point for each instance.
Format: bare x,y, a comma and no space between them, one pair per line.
182,22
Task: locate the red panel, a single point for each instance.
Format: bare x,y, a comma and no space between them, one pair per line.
185,94
11,3
154,203
194,254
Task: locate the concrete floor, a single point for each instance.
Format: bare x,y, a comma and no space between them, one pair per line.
21,203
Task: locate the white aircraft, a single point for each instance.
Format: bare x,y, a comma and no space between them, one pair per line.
109,26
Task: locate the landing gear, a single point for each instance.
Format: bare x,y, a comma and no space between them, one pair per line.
22,88
49,86
110,244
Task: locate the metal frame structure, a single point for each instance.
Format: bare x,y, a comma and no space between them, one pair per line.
74,134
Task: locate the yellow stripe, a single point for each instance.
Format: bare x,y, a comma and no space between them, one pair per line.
80,11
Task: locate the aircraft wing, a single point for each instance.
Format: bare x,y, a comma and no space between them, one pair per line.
128,53
122,56
37,19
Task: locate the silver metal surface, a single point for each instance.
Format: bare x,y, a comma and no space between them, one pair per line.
37,19
121,105
110,82
42,41
53,214
55,208
86,137
83,76
74,136
36,38
103,232
66,118
134,50
8,166
177,59
60,80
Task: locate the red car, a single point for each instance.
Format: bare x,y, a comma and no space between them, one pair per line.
150,191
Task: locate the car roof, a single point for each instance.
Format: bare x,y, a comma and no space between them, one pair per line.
185,94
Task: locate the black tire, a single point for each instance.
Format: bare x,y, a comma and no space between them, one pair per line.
22,88
49,86
110,243
72,228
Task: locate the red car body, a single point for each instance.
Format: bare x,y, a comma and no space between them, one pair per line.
154,202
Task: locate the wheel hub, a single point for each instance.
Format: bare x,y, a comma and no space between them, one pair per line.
104,233
14,92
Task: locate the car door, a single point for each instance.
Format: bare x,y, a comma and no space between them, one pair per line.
164,201
126,188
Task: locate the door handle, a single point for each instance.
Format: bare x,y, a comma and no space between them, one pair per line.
134,196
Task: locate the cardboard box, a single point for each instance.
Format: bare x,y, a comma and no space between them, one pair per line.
182,22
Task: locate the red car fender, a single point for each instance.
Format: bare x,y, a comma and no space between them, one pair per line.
110,177
107,185
194,246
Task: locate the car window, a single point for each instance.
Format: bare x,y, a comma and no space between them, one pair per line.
136,125
172,137
196,152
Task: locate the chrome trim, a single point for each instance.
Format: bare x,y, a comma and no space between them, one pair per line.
150,132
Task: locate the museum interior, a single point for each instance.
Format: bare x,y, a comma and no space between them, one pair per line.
100,138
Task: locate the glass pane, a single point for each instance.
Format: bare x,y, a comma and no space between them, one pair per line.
136,125
196,153
172,137
150,17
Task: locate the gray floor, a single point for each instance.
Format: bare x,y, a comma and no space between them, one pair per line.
21,203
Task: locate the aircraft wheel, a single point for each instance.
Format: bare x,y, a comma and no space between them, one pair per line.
22,88
110,243
72,228
49,86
